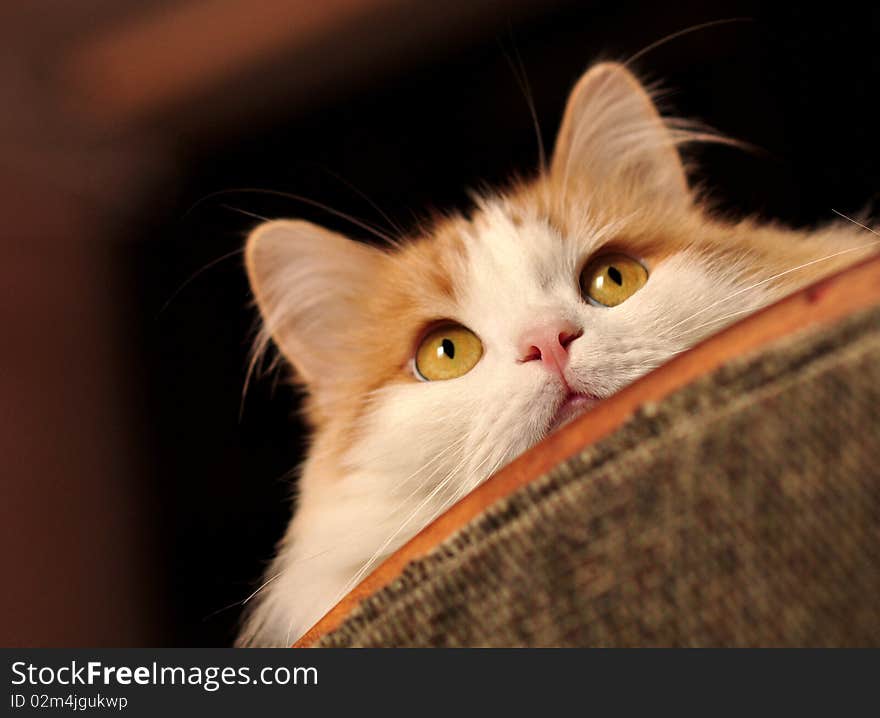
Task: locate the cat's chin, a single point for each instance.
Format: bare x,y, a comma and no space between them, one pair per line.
571,408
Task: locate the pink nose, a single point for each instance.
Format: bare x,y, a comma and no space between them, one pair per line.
548,342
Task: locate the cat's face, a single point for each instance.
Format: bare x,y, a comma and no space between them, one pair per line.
443,359
525,341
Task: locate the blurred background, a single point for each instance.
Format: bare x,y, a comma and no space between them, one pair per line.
140,492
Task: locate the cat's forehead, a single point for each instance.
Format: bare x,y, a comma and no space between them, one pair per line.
515,257
494,252
506,247
519,251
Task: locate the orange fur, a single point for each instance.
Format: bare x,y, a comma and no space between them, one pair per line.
349,318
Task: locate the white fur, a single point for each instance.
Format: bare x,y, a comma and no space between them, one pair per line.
422,445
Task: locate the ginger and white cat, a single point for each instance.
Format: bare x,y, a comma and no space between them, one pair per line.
430,365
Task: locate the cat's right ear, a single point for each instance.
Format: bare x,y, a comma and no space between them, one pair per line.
309,284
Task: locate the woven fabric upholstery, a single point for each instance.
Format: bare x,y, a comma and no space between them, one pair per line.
743,510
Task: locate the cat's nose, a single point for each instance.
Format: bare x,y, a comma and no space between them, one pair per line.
548,343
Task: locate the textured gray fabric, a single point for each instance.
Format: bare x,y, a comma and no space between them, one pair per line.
743,510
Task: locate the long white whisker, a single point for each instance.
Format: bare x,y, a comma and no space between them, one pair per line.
519,74
440,486
769,279
366,565
463,490
355,534
715,321
436,457
265,583
459,493
366,226
363,195
857,224
195,275
680,33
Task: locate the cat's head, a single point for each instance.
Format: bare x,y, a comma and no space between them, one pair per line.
453,353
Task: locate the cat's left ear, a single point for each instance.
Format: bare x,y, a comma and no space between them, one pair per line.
612,136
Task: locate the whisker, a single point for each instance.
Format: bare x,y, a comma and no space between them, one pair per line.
245,212
363,195
858,224
353,581
681,33
770,279
352,535
522,80
715,321
462,490
242,603
456,495
196,275
264,584
367,227
422,483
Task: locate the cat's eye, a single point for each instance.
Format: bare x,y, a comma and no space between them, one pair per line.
447,352
611,279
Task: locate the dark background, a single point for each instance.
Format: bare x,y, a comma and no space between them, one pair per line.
198,493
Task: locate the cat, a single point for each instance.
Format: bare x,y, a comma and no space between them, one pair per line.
431,364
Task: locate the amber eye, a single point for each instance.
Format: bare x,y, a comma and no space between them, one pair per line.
447,352
611,279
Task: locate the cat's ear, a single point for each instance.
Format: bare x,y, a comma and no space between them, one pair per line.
613,136
309,284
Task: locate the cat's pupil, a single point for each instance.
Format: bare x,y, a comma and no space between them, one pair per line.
615,275
447,348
